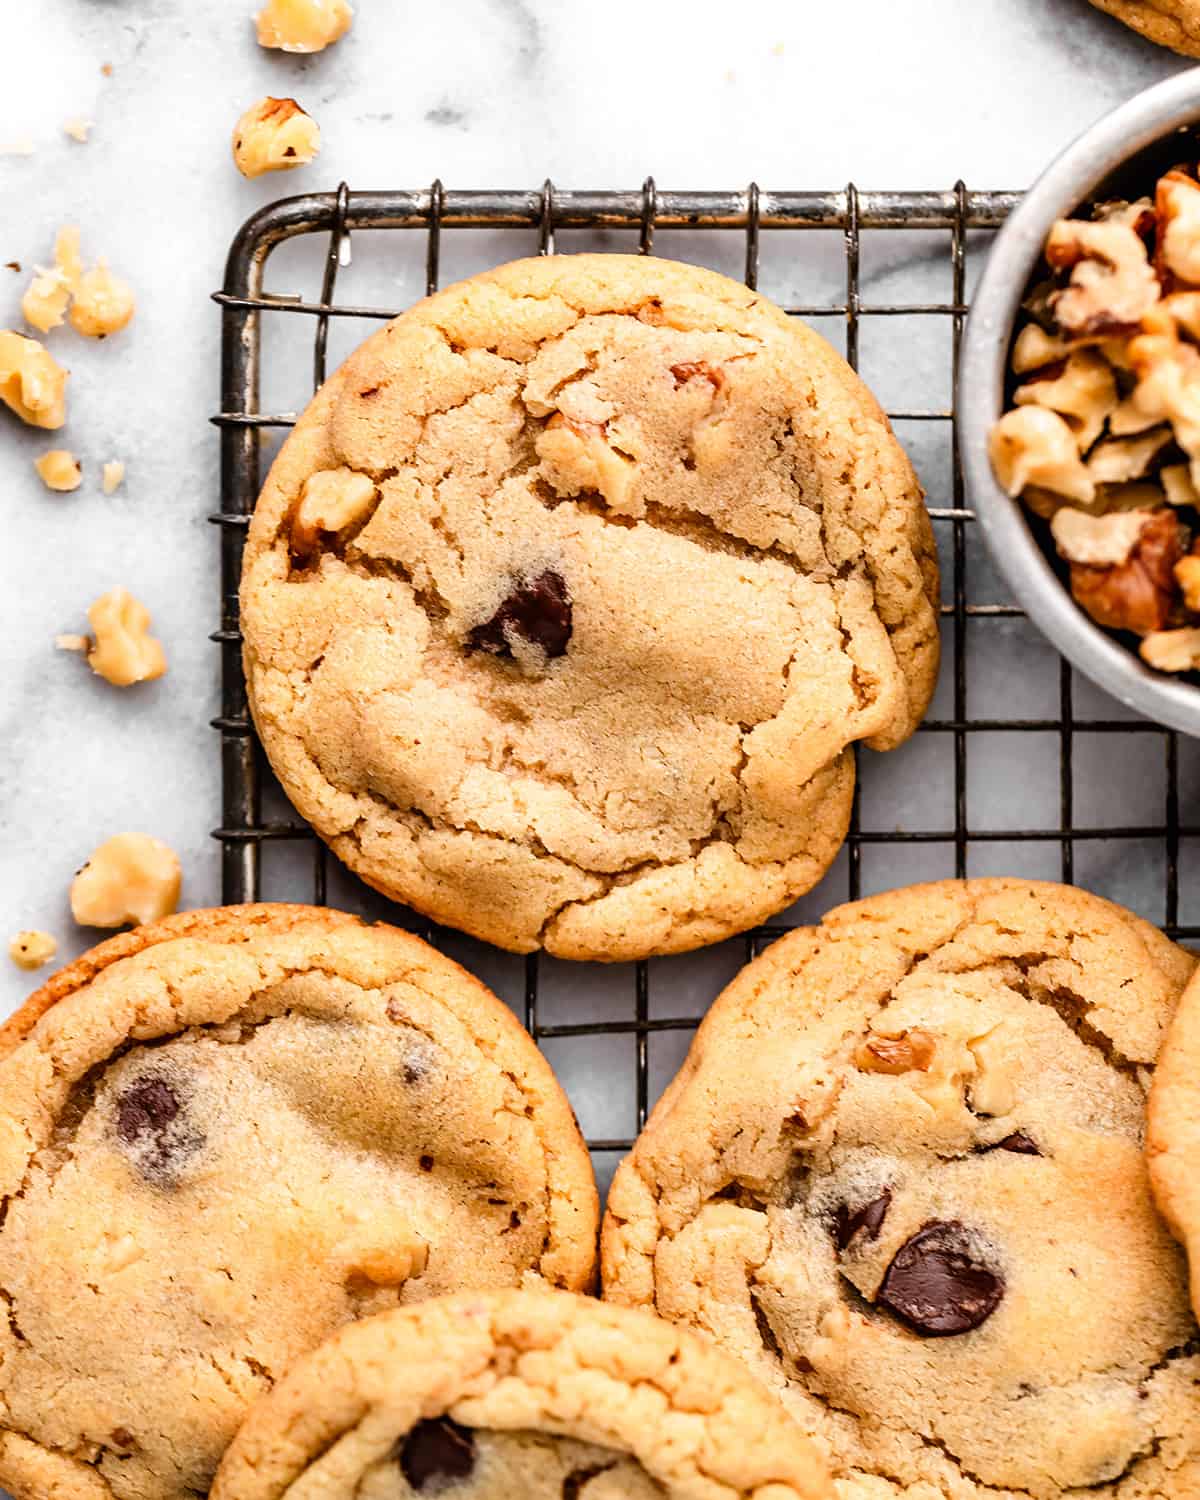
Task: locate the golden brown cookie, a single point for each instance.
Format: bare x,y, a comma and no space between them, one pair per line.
520,1394
1170,23
1173,1135
901,1174
224,1136
568,596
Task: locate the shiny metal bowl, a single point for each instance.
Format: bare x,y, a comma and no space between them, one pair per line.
1120,156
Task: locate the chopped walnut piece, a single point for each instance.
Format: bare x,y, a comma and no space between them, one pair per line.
577,457
1177,484
1177,207
274,135
78,130
902,1052
303,25
1168,387
129,878
1083,390
66,254
1118,460
1127,419
123,652
1035,349
1034,446
44,305
1112,281
103,303
32,383
114,475
1183,310
31,949
1172,650
73,642
59,470
1138,215
331,501
1139,594
1098,541
1187,576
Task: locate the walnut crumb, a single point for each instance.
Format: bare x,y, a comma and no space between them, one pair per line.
103,304
59,470
130,878
73,642
31,949
274,135
79,130
302,25
113,475
32,383
123,651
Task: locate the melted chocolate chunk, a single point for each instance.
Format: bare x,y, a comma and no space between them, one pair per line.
152,1125
936,1285
538,610
1019,1143
868,1218
437,1453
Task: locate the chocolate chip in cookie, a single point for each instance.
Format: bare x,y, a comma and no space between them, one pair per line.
1019,1143
537,610
867,1218
937,1285
151,1124
436,1454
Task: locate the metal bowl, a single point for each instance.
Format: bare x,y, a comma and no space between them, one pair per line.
1120,156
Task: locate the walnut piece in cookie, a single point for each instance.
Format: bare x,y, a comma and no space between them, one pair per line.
331,501
1122,566
274,135
32,383
123,651
31,949
303,25
1112,283
130,878
59,470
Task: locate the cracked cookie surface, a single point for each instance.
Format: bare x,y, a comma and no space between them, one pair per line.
224,1136
1173,1130
1170,23
901,1175
529,1393
568,596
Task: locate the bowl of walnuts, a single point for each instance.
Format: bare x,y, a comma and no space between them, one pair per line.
1079,402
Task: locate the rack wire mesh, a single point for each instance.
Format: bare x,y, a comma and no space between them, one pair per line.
1112,819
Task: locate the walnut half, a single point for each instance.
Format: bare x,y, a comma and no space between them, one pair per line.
1112,281
129,878
1139,593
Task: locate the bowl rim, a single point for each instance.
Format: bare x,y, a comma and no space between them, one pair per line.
1068,181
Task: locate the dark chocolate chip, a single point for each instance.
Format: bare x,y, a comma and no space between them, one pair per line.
437,1453
538,610
146,1108
868,1218
937,1286
1019,1143
152,1124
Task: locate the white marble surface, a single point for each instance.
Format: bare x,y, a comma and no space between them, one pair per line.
481,92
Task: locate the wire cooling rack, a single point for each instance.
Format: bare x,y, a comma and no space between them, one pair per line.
1021,768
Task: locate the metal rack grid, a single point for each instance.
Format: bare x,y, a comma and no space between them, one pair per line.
247,838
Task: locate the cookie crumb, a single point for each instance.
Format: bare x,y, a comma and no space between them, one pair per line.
59,470
78,129
31,949
130,878
114,475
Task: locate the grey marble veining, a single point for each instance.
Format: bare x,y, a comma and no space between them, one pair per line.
496,93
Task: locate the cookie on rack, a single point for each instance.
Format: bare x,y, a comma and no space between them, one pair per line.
536,1394
901,1174
568,597
224,1136
1173,1135
1170,23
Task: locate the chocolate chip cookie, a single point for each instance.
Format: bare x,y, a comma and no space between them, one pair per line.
901,1175
1170,23
224,1136
533,1394
568,597
1173,1133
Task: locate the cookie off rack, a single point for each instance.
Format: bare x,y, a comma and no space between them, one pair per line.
1021,767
